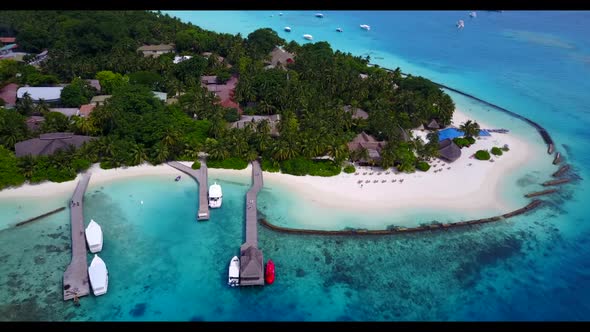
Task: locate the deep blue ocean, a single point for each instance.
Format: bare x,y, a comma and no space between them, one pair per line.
164,266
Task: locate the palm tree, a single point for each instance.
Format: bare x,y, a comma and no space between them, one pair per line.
137,154
216,149
27,165
470,129
160,153
83,125
251,155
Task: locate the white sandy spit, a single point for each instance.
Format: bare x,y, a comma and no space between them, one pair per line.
466,184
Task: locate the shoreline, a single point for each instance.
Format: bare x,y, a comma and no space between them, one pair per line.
475,187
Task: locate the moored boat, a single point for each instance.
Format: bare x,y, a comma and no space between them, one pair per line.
215,196
365,27
460,24
288,29
234,272
93,235
339,29
99,276
308,37
473,14
177,178
269,273
320,15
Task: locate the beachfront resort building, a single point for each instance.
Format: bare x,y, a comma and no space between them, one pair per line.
48,94
69,112
48,144
371,144
99,100
156,50
225,91
357,113
273,122
8,94
86,109
279,58
448,150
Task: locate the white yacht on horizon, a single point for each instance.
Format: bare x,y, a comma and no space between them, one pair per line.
308,37
93,235
99,276
215,196
365,27
288,29
320,15
460,24
473,14
234,272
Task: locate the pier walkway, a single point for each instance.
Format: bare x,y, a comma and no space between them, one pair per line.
251,258
201,176
75,281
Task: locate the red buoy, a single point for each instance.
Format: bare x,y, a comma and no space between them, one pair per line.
269,274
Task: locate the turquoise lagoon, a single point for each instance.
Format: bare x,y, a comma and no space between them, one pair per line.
166,266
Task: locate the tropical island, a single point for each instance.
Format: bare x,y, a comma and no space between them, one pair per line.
122,89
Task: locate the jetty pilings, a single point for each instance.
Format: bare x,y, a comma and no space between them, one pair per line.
540,193
41,216
561,171
556,182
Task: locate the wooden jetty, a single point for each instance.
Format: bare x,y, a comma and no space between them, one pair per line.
540,193
400,230
41,216
557,158
561,170
200,175
75,281
251,258
556,182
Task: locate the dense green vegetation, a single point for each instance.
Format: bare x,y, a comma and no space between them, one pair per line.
496,151
482,155
461,142
423,166
349,169
134,126
470,129
196,165
229,163
10,173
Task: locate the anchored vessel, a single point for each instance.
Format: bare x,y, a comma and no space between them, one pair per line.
269,273
234,272
99,276
215,196
365,27
94,236
308,37
288,29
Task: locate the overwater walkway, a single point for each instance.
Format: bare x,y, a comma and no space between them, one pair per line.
201,175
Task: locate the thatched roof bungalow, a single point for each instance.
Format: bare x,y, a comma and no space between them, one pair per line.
251,266
366,141
433,125
357,114
48,144
449,150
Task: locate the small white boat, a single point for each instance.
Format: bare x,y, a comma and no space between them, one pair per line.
473,14
366,27
234,272
308,37
288,29
99,276
339,29
215,196
280,14
320,15
460,24
94,236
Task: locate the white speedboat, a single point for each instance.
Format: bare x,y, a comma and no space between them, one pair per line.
473,14
365,27
460,24
288,29
280,14
99,276
215,196
339,29
234,272
320,15
308,37
94,236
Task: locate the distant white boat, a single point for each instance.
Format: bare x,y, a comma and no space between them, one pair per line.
320,15
94,236
339,29
288,29
366,27
280,14
234,272
460,24
473,14
99,276
308,37
215,196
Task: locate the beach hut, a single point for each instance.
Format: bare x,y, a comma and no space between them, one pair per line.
433,125
357,113
156,50
48,144
421,127
251,266
448,150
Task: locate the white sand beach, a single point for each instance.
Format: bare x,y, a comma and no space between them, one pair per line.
466,184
